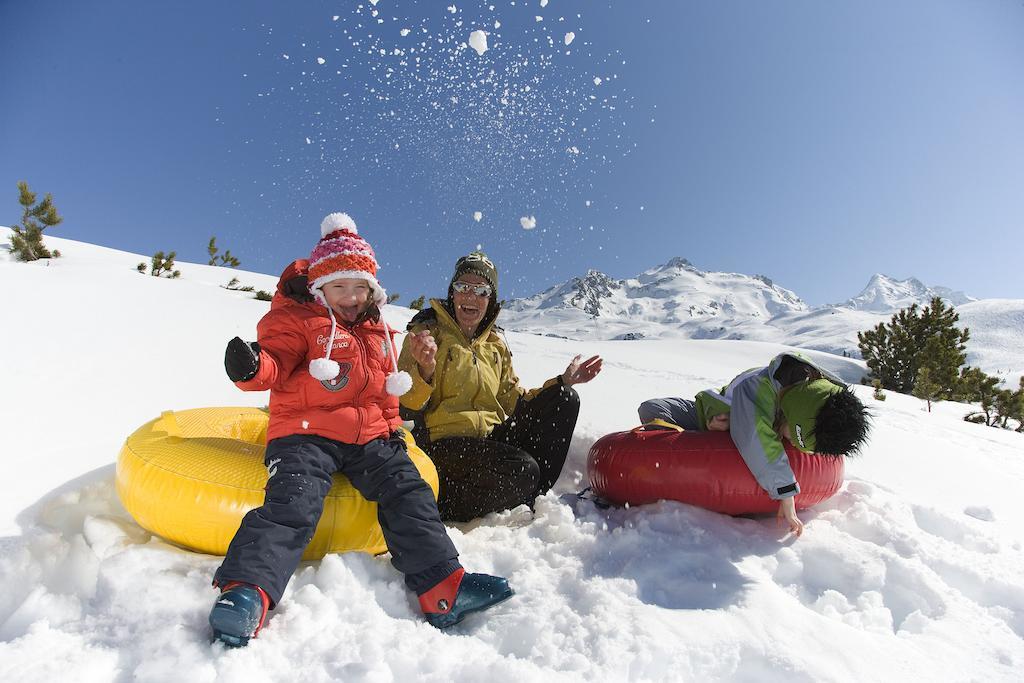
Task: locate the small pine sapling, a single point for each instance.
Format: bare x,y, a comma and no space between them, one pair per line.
263,295
163,266
417,303
926,388
27,237
878,394
393,297
225,259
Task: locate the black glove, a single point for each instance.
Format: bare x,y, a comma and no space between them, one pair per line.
241,360
297,289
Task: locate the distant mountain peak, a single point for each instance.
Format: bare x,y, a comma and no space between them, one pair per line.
675,292
886,294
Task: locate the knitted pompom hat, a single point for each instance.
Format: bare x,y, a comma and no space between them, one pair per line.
342,253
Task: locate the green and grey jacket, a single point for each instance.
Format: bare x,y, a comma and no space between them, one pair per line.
752,401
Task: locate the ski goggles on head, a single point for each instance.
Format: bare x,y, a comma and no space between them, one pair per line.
479,290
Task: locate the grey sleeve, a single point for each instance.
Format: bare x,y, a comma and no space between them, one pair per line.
751,425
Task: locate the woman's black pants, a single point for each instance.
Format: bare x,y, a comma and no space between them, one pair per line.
518,461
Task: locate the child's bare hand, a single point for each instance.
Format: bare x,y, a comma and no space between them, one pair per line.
424,351
787,511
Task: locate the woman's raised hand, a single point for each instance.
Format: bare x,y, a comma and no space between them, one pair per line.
424,349
581,372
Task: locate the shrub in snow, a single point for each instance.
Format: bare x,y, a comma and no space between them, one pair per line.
879,395
163,266
263,295
225,259
417,303
27,238
233,285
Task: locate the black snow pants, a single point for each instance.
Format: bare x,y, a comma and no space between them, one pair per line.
518,461
269,543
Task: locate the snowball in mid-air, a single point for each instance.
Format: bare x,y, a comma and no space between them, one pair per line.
478,41
321,61
477,215
543,3
528,222
404,32
597,80
569,37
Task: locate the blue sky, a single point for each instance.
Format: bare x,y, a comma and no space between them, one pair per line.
812,142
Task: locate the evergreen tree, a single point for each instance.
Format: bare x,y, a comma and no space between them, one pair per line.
878,394
225,259
393,297
163,266
27,239
417,303
926,388
895,352
1009,405
975,386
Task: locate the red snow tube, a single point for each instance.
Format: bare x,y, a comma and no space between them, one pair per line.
699,468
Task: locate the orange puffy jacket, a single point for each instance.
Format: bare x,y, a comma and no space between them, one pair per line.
352,408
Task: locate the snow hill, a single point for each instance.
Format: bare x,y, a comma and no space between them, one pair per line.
678,300
913,571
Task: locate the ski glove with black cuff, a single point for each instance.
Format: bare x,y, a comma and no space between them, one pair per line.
241,360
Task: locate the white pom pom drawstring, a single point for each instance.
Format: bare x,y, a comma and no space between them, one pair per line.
325,369
398,381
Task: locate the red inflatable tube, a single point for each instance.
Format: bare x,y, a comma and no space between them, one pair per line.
699,468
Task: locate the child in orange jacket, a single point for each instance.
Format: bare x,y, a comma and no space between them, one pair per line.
334,383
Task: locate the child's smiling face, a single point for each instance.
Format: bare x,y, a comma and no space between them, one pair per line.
347,297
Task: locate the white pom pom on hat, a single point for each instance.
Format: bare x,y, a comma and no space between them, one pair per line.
337,221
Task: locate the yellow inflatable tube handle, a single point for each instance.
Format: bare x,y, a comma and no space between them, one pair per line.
190,476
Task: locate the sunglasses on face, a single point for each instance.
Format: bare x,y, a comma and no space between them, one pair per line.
479,290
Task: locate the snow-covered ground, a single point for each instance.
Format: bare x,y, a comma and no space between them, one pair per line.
915,570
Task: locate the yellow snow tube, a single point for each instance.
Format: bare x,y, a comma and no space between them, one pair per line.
190,476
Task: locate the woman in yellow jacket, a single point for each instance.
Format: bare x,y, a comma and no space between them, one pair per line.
495,444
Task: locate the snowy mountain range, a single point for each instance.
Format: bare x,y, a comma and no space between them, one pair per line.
679,300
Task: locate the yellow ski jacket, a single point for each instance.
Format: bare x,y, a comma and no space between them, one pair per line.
474,386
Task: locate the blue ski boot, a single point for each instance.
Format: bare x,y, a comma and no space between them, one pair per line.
461,594
239,613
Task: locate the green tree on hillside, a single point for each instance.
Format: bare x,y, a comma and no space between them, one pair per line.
225,259
915,336
27,239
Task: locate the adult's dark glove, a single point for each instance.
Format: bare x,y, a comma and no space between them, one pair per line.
297,289
241,360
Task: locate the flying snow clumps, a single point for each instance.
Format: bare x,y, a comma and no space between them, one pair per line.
477,215
597,80
569,37
404,32
528,222
478,41
321,61
543,3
